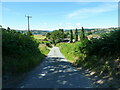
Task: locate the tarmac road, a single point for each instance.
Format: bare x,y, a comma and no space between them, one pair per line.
55,72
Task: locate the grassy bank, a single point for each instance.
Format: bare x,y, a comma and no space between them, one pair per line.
99,55
44,49
70,50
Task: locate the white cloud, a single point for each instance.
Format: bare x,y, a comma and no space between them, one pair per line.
60,24
68,23
78,24
87,12
45,23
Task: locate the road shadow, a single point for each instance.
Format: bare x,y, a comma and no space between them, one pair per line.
100,80
57,72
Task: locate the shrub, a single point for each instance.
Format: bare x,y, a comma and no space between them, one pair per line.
20,52
100,55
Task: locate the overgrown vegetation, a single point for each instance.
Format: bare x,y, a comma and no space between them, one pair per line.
99,55
20,52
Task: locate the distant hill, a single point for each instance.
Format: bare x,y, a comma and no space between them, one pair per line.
35,32
94,30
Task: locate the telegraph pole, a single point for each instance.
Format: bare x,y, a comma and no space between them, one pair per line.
28,22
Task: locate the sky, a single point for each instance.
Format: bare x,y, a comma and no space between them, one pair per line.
59,15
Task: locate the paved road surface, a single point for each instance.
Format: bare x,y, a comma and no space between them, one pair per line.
55,72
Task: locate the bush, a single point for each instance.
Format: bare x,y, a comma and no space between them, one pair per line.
20,52
100,55
109,44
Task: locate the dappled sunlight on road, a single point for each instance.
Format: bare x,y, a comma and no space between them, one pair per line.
56,72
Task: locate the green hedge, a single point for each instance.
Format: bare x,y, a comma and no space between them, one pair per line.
20,52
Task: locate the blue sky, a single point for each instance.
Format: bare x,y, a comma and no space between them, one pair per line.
56,15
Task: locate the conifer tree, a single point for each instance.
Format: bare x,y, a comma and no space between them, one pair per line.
71,36
76,35
82,34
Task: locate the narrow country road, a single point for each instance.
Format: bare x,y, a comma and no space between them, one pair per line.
55,72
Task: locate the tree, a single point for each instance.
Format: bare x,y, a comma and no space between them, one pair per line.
62,35
71,36
76,35
82,34
0,26
55,36
8,28
66,35
48,35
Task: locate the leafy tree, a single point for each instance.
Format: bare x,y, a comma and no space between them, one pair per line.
0,26
71,36
82,34
62,35
66,35
48,35
61,30
56,36
76,35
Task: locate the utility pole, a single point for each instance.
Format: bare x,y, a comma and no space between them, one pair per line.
28,22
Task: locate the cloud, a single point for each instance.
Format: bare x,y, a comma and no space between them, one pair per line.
68,23
44,23
87,12
78,24
60,24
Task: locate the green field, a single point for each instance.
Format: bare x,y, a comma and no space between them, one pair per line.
39,37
